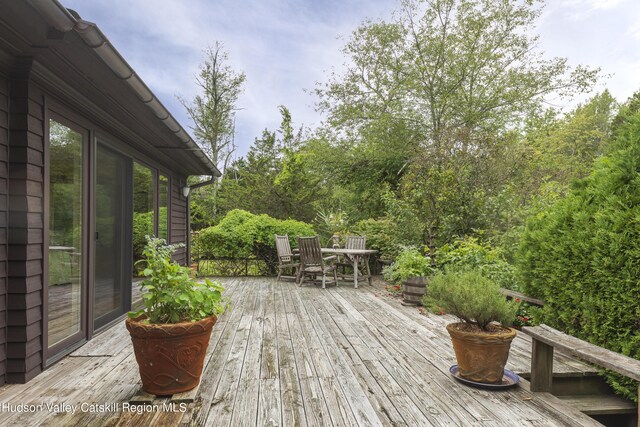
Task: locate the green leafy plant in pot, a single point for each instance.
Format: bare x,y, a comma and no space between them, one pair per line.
171,333
410,269
482,338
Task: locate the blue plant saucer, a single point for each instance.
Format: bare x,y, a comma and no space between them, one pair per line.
509,379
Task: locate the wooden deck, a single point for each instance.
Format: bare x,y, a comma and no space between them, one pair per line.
291,356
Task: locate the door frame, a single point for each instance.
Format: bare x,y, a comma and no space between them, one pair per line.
57,351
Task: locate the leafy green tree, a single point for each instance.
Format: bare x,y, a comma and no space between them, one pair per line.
452,81
275,177
213,110
213,115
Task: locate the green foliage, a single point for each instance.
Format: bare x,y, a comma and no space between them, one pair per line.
213,111
582,255
276,177
528,314
241,234
169,294
227,239
332,223
410,263
470,296
431,109
469,253
142,228
382,235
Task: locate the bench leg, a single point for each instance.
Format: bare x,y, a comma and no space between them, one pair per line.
541,366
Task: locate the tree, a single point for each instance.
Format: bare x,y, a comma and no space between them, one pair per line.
275,177
213,111
213,115
458,77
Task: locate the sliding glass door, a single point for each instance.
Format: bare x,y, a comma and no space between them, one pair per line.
112,254
95,228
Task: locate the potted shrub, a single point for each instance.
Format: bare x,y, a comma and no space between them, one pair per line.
171,333
482,338
411,269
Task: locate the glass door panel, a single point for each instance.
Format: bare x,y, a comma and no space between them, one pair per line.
112,250
143,210
66,207
143,221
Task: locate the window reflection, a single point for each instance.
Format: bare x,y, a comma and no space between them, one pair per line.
65,232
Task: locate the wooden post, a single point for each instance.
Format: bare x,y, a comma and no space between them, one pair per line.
541,366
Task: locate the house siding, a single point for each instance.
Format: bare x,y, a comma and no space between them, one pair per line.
178,214
4,186
26,225
43,73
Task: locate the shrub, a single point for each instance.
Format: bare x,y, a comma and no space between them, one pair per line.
582,256
410,263
241,234
381,235
468,253
227,239
471,297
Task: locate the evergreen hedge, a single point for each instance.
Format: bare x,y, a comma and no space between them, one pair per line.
582,256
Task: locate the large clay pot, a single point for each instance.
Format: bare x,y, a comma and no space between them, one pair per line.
170,356
481,356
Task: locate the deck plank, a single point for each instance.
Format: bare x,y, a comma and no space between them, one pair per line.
302,356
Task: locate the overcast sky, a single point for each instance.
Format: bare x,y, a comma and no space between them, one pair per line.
286,46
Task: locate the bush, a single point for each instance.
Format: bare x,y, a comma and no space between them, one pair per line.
227,239
381,236
241,234
410,263
471,297
468,253
582,256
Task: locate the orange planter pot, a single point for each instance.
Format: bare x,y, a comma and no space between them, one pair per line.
170,356
481,356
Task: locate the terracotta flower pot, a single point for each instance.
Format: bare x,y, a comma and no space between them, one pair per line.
170,356
481,356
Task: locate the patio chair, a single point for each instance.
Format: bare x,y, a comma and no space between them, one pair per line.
286,258
353,242
311,262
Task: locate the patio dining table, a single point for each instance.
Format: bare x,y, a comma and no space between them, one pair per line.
355,255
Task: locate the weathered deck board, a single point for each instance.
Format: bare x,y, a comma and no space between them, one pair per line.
301,356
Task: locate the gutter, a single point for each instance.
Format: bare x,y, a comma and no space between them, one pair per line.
64,21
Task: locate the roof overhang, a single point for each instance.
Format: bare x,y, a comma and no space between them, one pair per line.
75,47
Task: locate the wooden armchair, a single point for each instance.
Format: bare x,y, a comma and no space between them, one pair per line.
286,258
353,242
311,262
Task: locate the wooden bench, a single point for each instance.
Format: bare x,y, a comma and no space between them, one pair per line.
545,339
